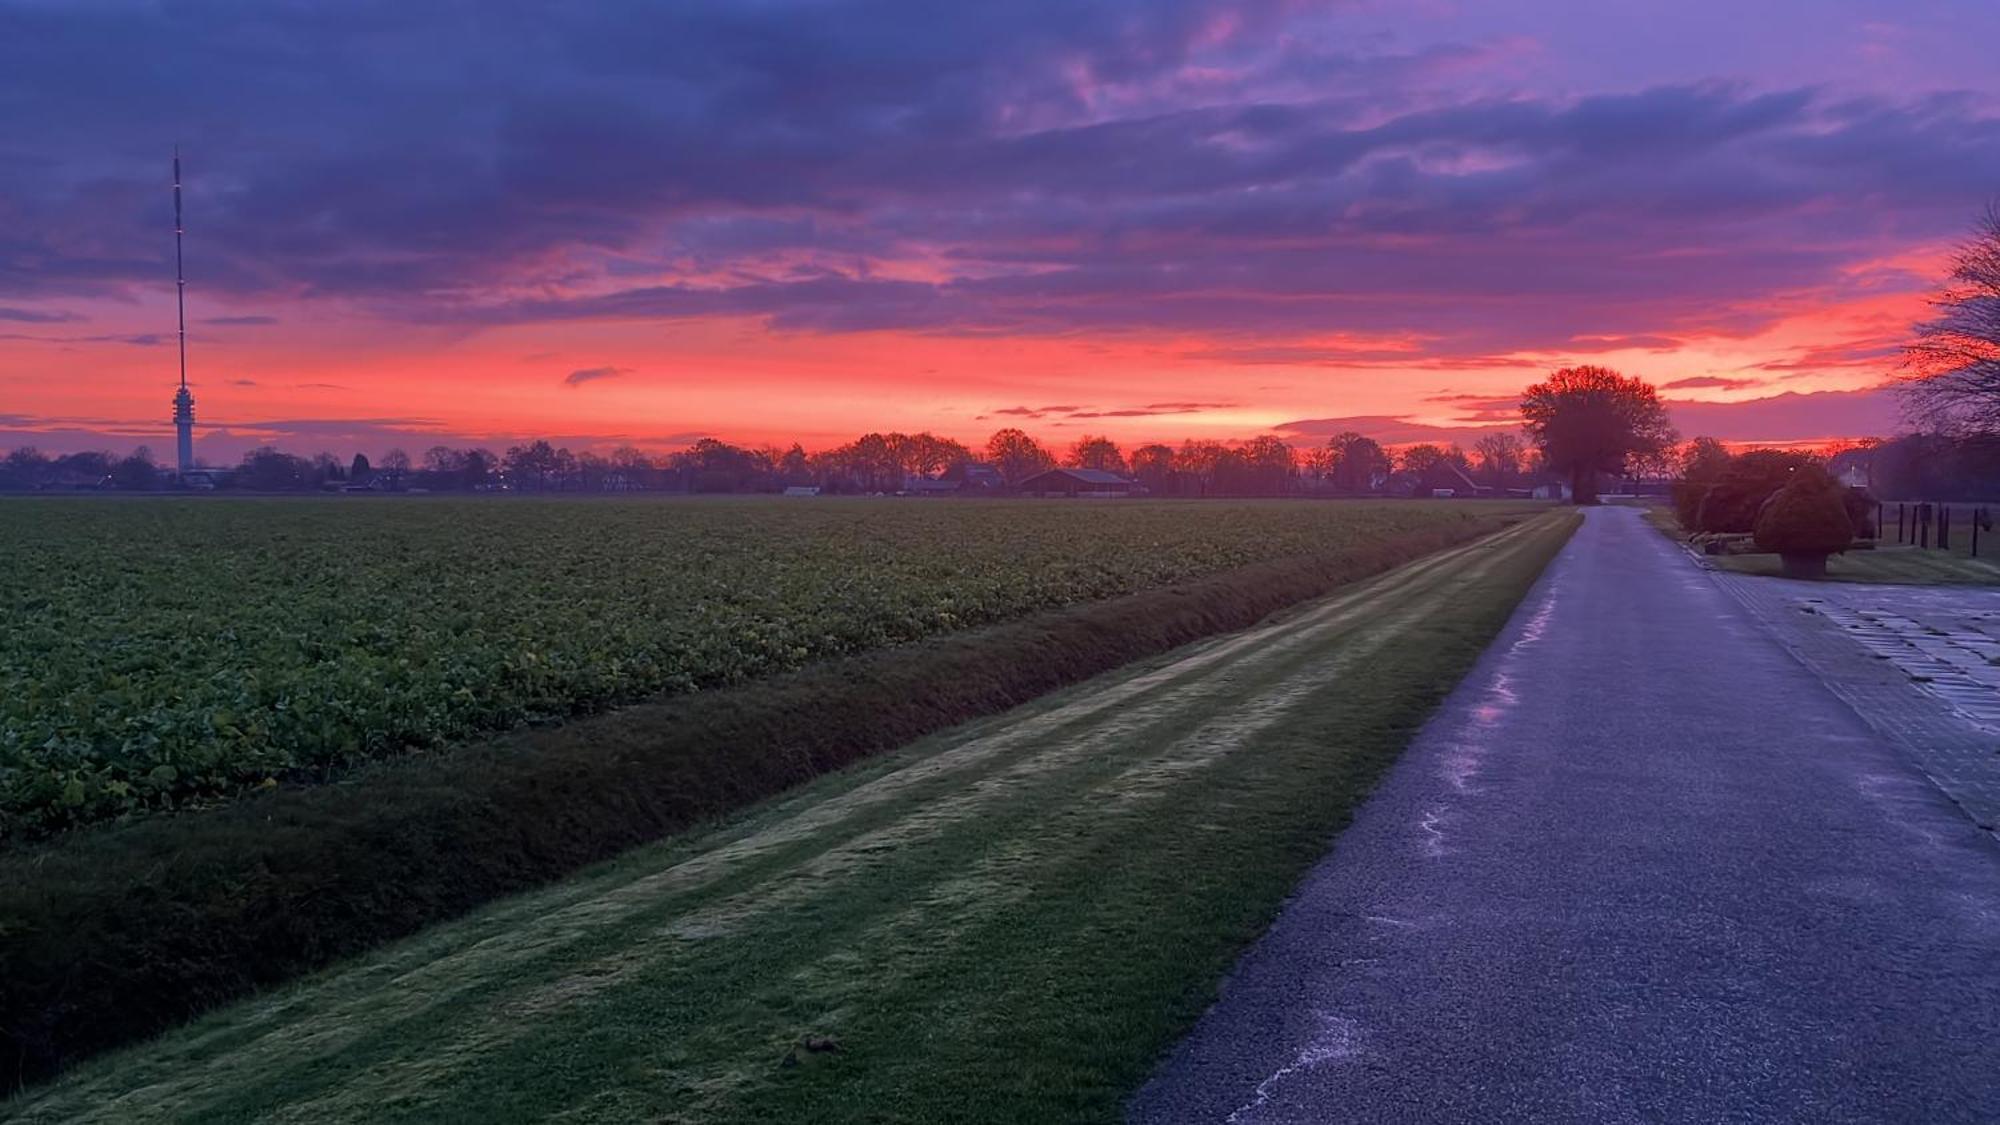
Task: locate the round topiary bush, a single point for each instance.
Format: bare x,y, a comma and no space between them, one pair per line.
1804,523
1731,504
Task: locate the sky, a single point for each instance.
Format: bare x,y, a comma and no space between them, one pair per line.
475,221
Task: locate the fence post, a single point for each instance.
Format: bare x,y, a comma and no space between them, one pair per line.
1899,523
1978,517
1944,527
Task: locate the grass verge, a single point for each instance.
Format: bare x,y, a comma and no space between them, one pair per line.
1006,922
114,934
1885,563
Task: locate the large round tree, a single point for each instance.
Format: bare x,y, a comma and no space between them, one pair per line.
1591,420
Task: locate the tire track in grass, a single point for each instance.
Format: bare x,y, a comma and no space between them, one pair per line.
1083,739
960,900
441,981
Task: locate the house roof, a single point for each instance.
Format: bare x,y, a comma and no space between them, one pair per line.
1087,476
1444,474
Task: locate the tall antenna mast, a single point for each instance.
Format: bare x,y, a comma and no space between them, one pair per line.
183,398
180,274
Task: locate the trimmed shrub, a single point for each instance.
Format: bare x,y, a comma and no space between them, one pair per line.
1806,517
1688,496
1732,503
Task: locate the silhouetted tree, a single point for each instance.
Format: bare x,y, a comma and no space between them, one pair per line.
1420,459
1500,458
1268,466
1153,467
794,467
1591,420
25,467
1017,455
1202,467
532,467
395,466
478,468
360,471
1358,462
1100,453
1703,459
1954,362
265,469
137,473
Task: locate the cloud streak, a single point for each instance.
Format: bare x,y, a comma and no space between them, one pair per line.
584,375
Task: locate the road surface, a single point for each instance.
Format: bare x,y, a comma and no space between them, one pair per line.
1644,866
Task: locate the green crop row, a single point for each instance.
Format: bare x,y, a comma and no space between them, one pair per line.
173,653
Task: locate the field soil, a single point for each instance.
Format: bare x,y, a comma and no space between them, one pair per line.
1007,921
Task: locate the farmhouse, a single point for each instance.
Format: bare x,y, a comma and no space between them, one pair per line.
1446,479
917,485
1076,482
975,476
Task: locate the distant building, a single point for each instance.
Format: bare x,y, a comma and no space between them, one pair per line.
975,476
802,490
1077,482
1446,479
928,486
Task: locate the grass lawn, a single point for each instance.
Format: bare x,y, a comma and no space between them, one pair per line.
1007,922
1892,563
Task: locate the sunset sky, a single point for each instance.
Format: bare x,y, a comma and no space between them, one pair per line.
766,220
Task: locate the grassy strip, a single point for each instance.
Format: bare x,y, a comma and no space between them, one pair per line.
1892,563
113,935
1007,922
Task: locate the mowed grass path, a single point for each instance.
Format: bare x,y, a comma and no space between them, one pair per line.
1005,923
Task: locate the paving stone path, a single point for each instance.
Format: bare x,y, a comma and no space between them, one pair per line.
1920,663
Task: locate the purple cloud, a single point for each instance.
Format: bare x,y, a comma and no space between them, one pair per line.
1710,382
1263,173
584,375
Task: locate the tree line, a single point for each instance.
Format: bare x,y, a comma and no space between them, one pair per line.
1348,463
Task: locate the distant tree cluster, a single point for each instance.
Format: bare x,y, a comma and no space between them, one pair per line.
28,469
1347,464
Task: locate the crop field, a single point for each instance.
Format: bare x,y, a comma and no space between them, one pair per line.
168,653
1005,922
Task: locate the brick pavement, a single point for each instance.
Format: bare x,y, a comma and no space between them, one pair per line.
1917,662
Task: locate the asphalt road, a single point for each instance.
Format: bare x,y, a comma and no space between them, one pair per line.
1643,866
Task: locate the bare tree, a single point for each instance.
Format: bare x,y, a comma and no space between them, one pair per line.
1500,457
1093,452
1954,363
